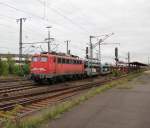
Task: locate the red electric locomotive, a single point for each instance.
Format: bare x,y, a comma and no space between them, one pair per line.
52,66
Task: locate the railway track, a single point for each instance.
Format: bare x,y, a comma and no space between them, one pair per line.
10,87
32,95
26,87
3,80
33,99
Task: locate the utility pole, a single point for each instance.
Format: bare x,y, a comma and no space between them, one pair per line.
20,38
91,48
99,50
67,46
116,56
49,39
129,61
100,42
97,57
91,55
128,57
87,53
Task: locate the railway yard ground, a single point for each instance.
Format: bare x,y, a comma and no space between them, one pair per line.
125,106
27,104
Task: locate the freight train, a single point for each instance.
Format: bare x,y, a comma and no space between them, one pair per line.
105,69
59,66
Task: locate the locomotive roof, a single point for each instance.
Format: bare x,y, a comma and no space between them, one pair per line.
58,55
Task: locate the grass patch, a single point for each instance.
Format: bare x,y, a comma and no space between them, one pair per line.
124,86
56,111
130,84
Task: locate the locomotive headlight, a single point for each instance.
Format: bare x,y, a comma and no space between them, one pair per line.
38,69
42,69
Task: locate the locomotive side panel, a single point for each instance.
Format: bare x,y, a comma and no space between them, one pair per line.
69,66
51,65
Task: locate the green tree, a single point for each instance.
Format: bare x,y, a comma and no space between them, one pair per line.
18,70
26,69
1,67
11,64
5,68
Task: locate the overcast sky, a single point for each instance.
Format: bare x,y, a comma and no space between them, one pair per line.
76,20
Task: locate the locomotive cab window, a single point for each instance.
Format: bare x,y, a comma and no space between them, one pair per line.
35,59
43,59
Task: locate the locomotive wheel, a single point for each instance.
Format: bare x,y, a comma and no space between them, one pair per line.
38,81
51,80
75,77
60,79
79,77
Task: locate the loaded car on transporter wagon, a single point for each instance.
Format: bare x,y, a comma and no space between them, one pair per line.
56,66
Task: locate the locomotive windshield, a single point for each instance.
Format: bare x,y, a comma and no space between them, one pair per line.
39,59
35,59
43,59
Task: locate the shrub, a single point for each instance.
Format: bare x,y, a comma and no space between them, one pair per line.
1,67
8,67
22,70
26,69
116,73
5,68
18,70
11,65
